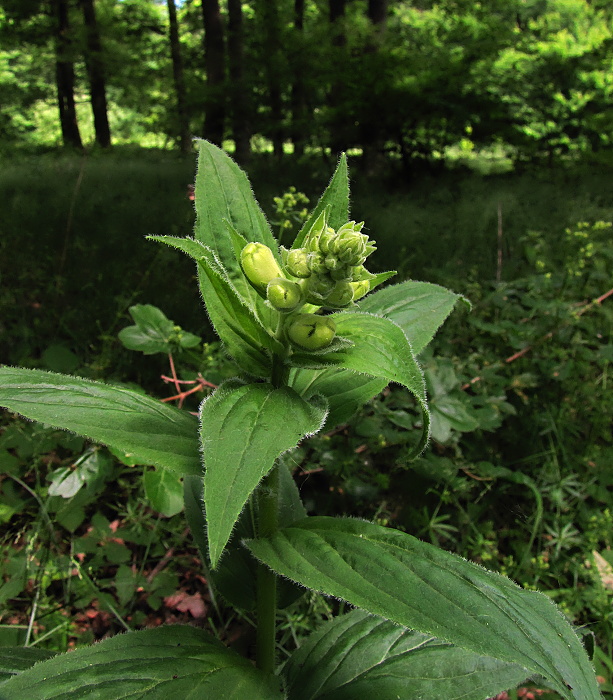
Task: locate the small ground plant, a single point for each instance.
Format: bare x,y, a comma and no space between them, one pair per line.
311,345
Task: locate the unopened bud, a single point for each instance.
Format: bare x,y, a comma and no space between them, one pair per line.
259,265
340,297
298,263
283,294
312,332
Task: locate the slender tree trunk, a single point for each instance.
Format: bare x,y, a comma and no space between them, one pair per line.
238,90
214,64
177,72
273,57
371,136
338,141
298,88
64,76
377,12
95,71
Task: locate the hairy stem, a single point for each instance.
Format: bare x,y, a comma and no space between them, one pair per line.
268,520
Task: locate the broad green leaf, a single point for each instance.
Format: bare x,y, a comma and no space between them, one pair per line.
164,490
244,428
223,192
335,198
15,660
345,390
153,332
245,338
155,664
146,429
419,308
417,585
93,467
380,349
361,656
236,574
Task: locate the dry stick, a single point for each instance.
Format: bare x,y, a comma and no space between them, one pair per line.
165,559
528,348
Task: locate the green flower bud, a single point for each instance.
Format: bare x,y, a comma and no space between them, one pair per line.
298,263
325,239
283,294
320,286
360,289
312,332
340,297
259,265
317,264
341,273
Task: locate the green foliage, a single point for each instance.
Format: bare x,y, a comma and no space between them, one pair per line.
245,426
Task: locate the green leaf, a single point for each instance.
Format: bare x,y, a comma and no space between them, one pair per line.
380,349
146,429
346,391
335,198
361,656
419,308
155,664
414,584
244,428
93,467
232,316
223,192
164,490
15,660
236,574
152,331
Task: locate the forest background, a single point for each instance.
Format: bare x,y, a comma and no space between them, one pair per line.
480,142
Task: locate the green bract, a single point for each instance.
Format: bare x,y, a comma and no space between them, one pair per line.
312,332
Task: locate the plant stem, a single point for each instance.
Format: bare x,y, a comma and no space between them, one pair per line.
268,519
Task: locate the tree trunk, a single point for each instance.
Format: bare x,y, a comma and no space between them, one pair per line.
273,58
64,76
95,72
338,139
241,132
377,12
372,137
214,65
177,72
298,88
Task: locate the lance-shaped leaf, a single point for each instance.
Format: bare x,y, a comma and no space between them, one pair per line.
335,198
244,428
245,338
15,660
380,349
223,192
419,308
417,585
235,577
155,664
361,656
346,391
149,431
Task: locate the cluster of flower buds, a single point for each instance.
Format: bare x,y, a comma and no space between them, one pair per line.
331,265
328,271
